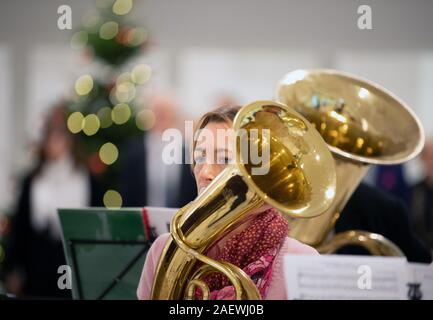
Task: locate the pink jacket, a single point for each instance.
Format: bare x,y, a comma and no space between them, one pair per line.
276,289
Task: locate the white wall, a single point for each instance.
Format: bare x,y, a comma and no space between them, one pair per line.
52,71
6,141
246,74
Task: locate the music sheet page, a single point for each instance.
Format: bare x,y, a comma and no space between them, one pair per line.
338,277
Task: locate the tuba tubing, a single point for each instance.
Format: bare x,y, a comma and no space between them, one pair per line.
295,184
363,124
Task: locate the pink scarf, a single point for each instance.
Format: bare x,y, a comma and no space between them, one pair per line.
253,250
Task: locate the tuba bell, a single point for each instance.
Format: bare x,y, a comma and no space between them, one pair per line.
300,182
363,124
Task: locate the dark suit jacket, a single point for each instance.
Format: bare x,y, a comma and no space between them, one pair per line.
36,253
133,181
371,209
422,212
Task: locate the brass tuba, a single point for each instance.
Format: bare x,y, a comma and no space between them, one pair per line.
363,124
300,182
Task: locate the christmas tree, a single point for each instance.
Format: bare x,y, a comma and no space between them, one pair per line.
104,113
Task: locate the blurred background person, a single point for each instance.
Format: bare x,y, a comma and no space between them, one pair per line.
225,99
146,179
392,180
59,178
374,210
422,199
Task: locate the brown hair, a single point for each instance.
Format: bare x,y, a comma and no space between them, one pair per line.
56,119
224,114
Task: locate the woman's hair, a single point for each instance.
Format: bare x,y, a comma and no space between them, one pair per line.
56,121
224,114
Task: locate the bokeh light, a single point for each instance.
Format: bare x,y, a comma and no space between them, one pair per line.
75,122
145,119
108,153
125,92
91,124
136,37
104,115
84,85
124,77
122,7
108,30
121,113
141,73
112,199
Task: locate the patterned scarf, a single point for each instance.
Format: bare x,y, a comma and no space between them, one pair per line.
253,250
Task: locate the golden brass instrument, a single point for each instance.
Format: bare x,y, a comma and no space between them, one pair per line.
375,243
300,182
363,124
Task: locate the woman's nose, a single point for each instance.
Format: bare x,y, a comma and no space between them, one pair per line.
208,172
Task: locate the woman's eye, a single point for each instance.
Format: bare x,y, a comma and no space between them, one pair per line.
200,159
224,160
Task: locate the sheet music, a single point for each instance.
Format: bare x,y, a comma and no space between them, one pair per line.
420,281
160,218
339,277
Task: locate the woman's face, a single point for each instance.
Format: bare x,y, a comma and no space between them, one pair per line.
58,144
213,151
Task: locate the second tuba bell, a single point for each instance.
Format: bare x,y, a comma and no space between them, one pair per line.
363,124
